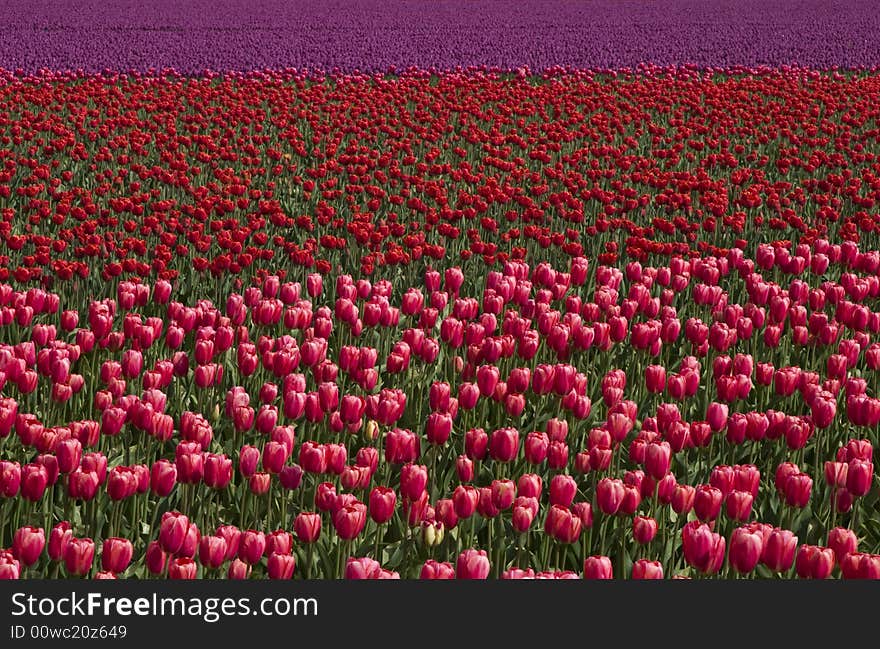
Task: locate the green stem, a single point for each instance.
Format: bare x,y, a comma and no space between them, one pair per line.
244,506
378,535
310,553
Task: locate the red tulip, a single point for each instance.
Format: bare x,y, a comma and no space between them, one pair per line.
27,544
563,525
658,457
747,477
238,569
464,468
797,490
182,568
281,566
155,558
666,489
307,527
465,500
163,476
563,489
212,551
34,480
707,502
259,483
413,479
702,548
746,547
476,442
632,498
600,458
432,569
619,425
536,447
557,455
172,531
739,505
59,538
717,416
836,473
644,529
314,284
252,546
274,456
279,541
655,378
10,567
524,511
83,485
472,564
69,453
382,503
778,551
503,493
78,556
598,567
645,569
438,428
842,541
116,554
860,475
121,483
860,565
217,471
487,379
783,473
10,478
814,562
610,493
504,444
325,496
857,449
444,512
529,485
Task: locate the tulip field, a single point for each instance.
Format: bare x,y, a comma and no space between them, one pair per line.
439,324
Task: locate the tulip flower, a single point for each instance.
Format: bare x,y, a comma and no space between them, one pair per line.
563,489
281,566
859,477
116,554
779,549
597,567
59,539
702,548
645,569
842,541
644,529
472,564
212,551
707,502
27,544
78,556
172,531
746,548
307,527
610,493
432,569
182,568
349,520
814,562
504,444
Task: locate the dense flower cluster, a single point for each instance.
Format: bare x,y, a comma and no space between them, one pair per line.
439,326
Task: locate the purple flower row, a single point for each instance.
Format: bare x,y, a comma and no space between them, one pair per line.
371,35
